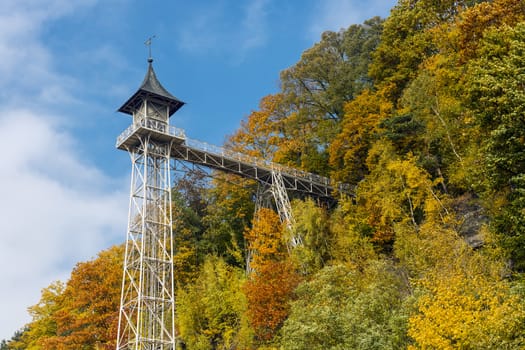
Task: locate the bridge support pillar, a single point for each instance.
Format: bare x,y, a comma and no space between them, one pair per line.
284,208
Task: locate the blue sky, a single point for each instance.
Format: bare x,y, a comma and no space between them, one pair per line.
65,68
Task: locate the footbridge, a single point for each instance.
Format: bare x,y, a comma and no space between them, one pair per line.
224,159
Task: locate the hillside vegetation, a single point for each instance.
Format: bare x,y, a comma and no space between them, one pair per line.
424,113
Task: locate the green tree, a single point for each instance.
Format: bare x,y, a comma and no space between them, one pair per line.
497,97
15,343
210,311
433,101
347,308
227,216
190,200
333,71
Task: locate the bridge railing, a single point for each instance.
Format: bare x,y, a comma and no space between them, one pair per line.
158,126
261,163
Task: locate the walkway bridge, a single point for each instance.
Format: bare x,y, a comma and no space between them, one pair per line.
220,158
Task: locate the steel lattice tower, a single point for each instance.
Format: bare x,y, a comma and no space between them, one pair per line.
147,306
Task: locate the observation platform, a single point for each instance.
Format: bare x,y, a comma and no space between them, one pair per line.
220,158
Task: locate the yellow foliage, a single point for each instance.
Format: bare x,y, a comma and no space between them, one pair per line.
466,312
360,125
397,191
463,302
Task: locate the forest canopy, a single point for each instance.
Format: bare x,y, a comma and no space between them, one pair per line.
423,113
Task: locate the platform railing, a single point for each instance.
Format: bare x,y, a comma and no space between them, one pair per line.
151,124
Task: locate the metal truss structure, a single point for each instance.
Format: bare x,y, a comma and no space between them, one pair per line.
147,306
147,310
223,159
282,202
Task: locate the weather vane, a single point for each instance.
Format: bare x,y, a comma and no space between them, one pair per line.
148,44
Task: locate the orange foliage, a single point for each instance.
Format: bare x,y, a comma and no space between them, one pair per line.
476,20
268,292
274,279
90,303
265,238
258,135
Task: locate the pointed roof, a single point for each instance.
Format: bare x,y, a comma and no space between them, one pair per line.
151,87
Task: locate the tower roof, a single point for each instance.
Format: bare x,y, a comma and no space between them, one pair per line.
151,87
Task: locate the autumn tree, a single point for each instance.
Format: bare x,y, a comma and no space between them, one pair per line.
360,128
43,324
89,314
424,114
269,291
265,238
83,313
463,300
315,89
259,134
407,40
475,21
468,310
352,235
271,285
395,192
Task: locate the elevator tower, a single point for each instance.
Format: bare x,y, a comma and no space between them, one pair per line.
147,306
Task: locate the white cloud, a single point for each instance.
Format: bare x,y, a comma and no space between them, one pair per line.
25,61
56,208
55,211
